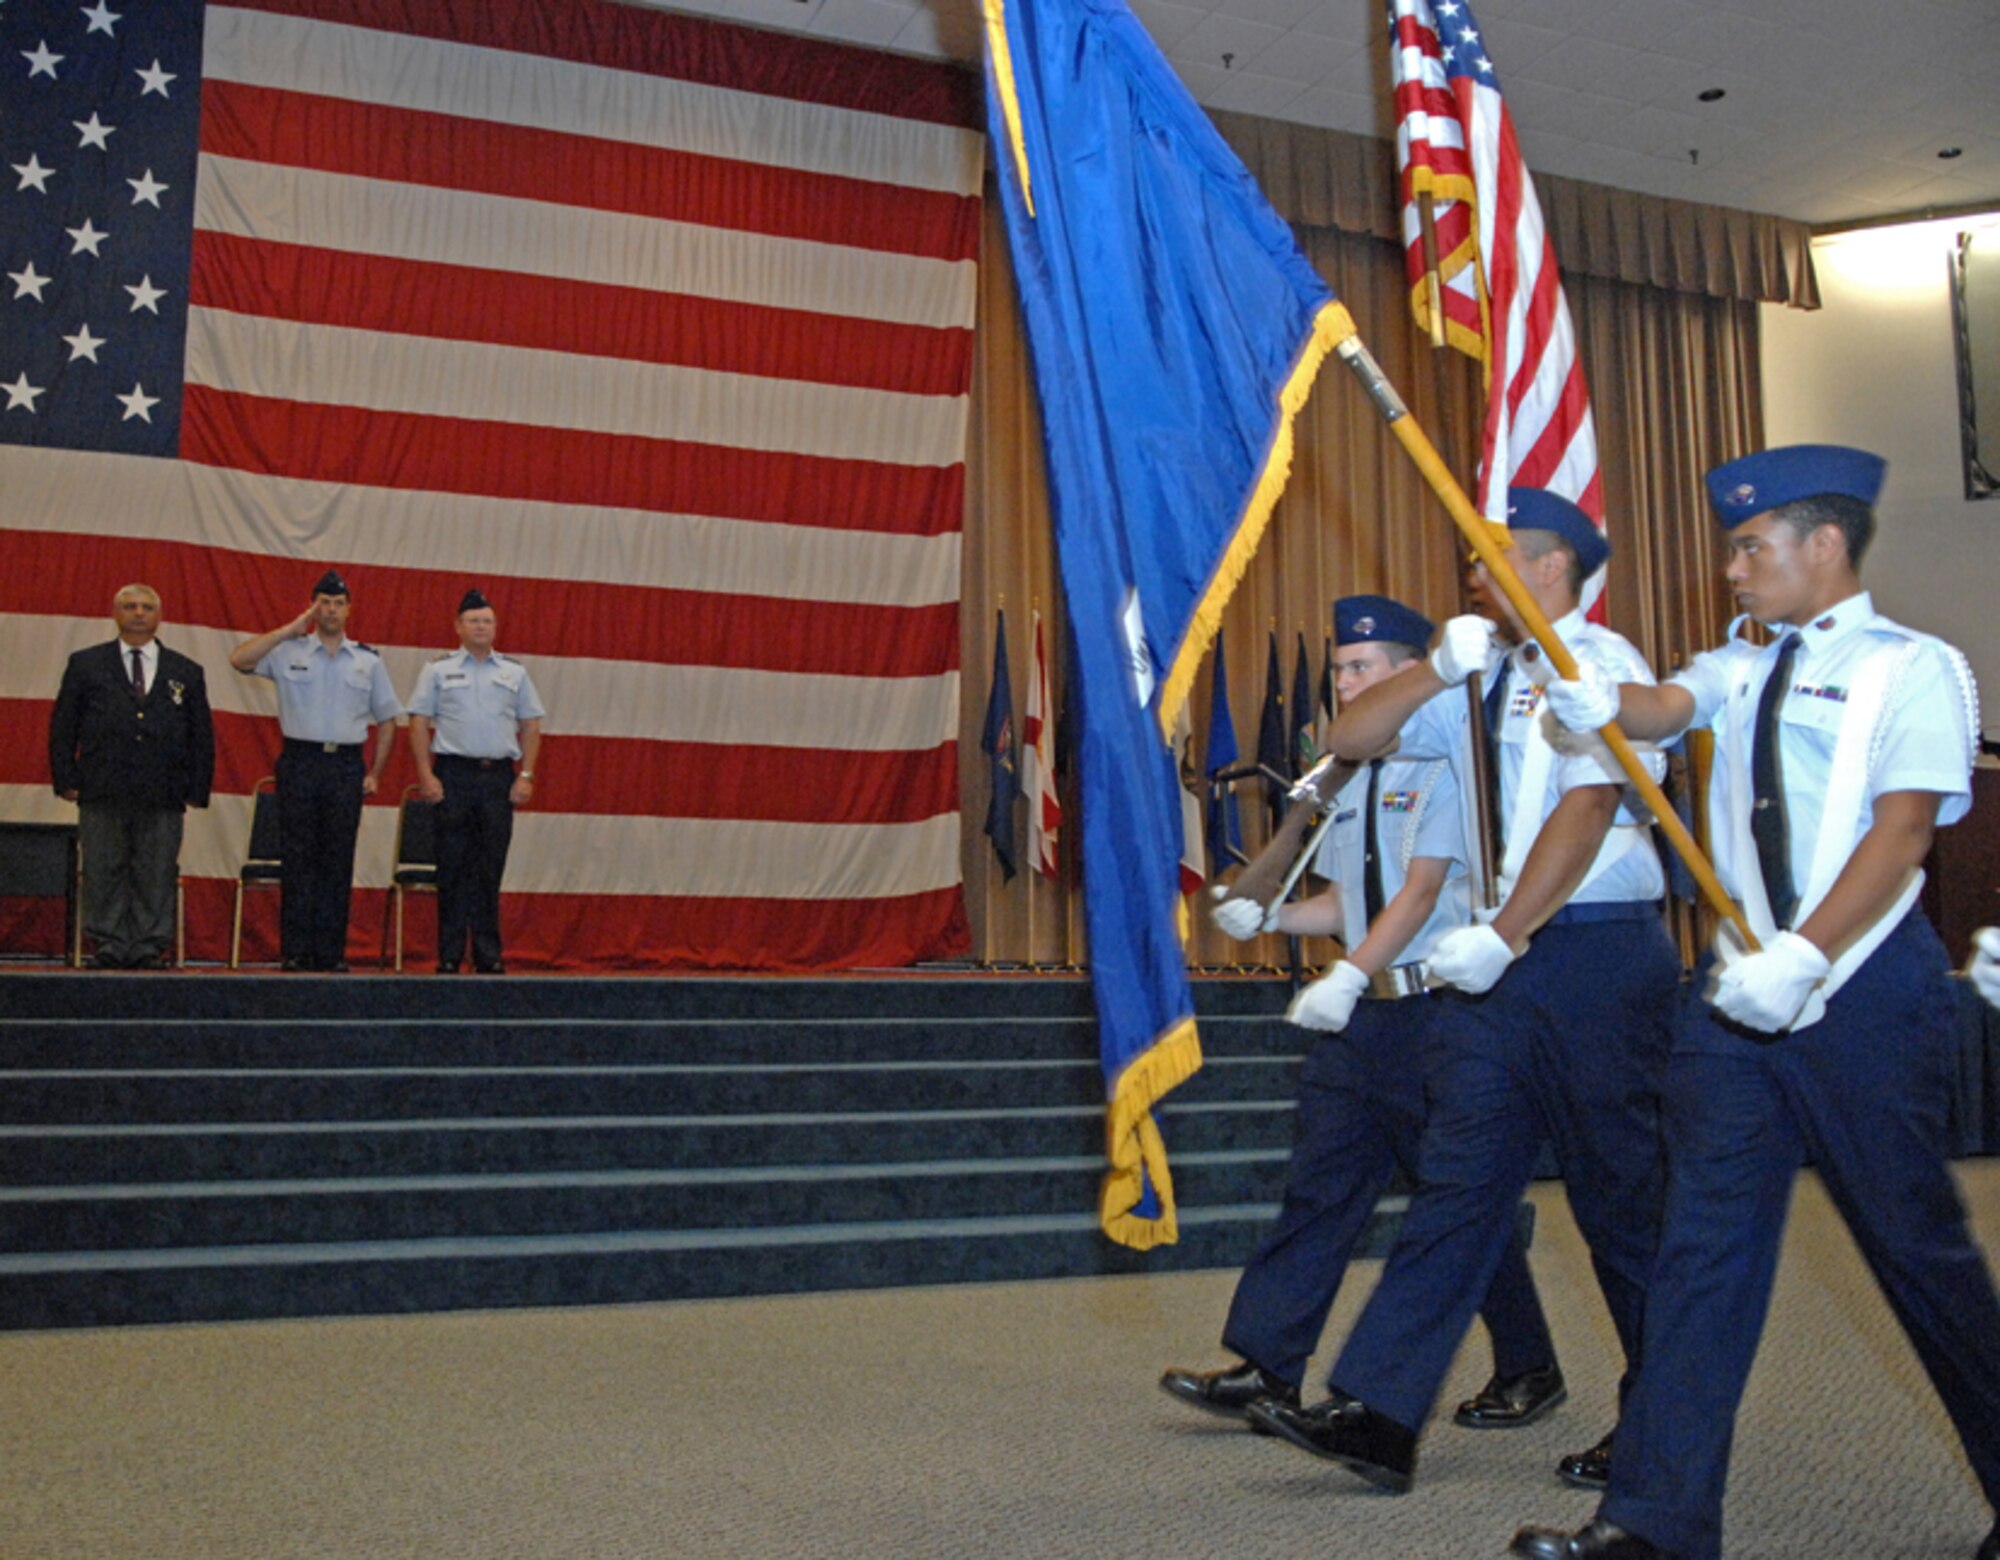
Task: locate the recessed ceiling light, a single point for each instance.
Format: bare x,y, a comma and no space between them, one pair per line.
1711,95
1950,152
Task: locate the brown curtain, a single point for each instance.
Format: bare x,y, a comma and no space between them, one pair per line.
1674,383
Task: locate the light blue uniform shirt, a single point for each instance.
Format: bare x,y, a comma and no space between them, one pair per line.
328,697
1921,741
1438,730
1417,813
476,704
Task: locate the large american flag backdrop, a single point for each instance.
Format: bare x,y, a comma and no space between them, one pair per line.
1501,289
657,330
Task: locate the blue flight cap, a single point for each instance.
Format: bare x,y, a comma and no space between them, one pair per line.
1537,509
1365,620
1743,488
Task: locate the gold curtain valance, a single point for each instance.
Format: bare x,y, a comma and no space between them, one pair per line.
1321,178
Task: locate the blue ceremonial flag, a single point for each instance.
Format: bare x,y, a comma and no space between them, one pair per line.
1175,331
997,739
1225,822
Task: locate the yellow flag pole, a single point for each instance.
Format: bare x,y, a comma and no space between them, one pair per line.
1433,288
1478,532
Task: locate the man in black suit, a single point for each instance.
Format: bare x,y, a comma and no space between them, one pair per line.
132,744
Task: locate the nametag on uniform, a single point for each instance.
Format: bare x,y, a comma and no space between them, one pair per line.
454,679
299,670
1347,817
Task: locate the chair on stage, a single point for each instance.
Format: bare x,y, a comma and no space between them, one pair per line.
262,866
414,870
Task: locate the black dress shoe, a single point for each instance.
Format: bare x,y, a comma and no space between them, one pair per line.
447,966
338,967
1589,1470
1228,1392
1599,1540
295,967
1347,1431
1508,1402
495,968
1990,1550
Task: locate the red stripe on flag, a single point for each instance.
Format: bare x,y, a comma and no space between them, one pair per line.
1540,463
581,931
60,574
467,303
684,48
416,146
564,466
623,777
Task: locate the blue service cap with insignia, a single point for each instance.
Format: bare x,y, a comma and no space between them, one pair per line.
1362,620
472,601
331,584
1537,509
1741,489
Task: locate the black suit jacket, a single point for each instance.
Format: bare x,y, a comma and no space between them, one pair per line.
107,746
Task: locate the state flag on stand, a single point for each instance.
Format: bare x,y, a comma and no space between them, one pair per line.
1038,768
1273,747
1225,821
1301,742
996,739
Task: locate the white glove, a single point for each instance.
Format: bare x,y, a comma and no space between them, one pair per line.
1985,966
1328,1003
1241,918
1466,646
1767,990
1588,702
1473,958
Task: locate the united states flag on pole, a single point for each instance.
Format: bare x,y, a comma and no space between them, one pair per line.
657,330
1502,294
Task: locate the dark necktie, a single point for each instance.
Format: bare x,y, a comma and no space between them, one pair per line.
1371,859
1767,785
138,674
1496,712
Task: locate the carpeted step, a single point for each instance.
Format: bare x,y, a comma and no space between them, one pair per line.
243,1213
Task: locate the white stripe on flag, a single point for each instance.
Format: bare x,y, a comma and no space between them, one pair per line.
453,227
92,495
396,71
431,377
587,697
584,853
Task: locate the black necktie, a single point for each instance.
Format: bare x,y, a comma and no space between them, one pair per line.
1496,712
138,674
1371,859
1767,785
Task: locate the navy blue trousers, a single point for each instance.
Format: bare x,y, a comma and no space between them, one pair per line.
1569,1049
319,814
1863,1095
475,827
1361,1114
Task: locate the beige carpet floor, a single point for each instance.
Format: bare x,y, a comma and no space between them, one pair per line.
1004,1420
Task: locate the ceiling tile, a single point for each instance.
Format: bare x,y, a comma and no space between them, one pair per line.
1168,23
1218,34
1312,60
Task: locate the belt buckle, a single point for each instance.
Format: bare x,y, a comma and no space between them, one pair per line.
329,747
